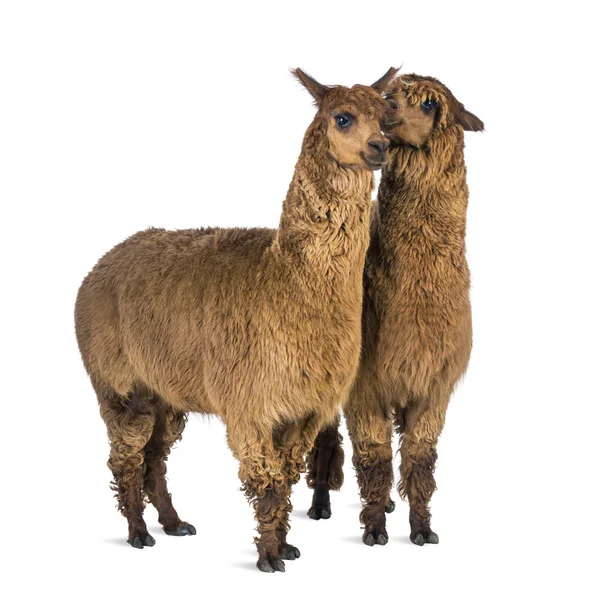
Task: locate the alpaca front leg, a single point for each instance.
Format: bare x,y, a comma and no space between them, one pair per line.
423,425
293,441
293,467
371,435
271,512
325,469
266,485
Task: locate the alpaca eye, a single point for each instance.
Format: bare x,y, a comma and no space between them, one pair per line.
392,103
343,120
428,105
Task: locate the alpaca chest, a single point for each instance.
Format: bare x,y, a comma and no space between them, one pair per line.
423,330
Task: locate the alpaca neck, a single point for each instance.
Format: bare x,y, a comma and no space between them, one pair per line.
423,205
324,223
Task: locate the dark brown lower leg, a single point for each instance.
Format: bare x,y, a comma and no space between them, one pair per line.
325,469
267,487
292,441
419,454
270,508
371,435
374,472
287,552
167,431
129,422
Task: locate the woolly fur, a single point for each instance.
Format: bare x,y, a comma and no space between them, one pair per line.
417,314
259,327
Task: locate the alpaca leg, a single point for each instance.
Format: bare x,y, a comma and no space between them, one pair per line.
167,431
422,427
129,421
325,469
266,485
292,455
371,435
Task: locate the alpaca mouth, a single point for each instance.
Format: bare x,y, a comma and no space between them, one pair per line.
374,164
398,142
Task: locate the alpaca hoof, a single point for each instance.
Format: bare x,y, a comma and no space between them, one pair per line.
390,507
289,552
270,564
375,537
421,537
181,529
142,540
319,512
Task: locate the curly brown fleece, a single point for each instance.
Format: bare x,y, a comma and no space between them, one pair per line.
417,313
260,327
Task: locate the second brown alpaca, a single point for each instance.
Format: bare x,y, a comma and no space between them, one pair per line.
416,315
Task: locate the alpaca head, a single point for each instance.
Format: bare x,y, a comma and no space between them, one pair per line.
423,108
350,120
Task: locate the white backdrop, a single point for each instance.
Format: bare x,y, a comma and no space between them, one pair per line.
119,115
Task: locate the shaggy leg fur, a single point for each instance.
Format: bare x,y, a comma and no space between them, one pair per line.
265,478
325,469
289,442
423,426
167,431
293,467
371,435
129,421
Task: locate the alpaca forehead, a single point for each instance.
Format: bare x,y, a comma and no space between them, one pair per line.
418,88
359,99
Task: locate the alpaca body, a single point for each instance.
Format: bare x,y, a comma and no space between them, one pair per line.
259,327
202,319
417,331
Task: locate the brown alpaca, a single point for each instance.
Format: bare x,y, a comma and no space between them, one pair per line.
416,317
260,327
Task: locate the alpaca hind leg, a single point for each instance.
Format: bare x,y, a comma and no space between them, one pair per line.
371,435
325,469
129,422
167,431
422,427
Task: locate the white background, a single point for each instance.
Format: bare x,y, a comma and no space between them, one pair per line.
115,116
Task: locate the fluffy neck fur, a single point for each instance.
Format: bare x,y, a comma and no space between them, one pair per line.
422,212
323,230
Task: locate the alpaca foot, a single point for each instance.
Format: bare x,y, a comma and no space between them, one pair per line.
289,552
269,564
319,512
376,536
390,507
141,540
180,529
421,537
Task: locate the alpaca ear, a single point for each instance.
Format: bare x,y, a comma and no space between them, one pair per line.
381,84
468,120
315,88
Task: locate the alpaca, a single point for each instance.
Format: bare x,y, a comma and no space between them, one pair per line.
416,316
259,327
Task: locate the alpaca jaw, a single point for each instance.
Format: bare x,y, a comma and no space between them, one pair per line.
374,162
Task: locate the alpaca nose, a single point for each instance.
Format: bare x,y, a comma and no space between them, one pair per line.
380,145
